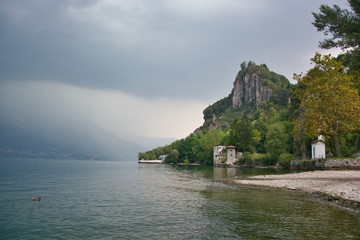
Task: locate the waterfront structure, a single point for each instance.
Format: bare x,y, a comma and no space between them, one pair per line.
162,157
218,154
151,161
318,148
231,154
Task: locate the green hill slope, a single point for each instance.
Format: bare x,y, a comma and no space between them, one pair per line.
258,100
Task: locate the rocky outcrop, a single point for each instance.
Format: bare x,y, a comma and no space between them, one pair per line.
249,88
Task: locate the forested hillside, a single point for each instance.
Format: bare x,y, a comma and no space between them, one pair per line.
270,120
262,127
245,126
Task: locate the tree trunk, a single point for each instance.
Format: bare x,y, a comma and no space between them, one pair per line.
303,151
337,145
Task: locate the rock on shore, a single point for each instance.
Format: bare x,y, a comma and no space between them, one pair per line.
343,184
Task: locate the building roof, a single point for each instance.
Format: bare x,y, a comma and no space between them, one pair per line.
230,147
319,140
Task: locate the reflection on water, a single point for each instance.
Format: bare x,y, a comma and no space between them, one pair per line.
244,212
218,173
225,173
254,213
124,200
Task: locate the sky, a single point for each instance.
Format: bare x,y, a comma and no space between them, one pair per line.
142,67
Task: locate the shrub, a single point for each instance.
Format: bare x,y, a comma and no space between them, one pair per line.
245,158
264,159
285,159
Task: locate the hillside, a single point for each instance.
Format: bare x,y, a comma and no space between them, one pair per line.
254,85
262,115
259,98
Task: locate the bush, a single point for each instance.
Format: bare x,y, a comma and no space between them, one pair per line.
257,158
245,159
264,159
270,159
285,159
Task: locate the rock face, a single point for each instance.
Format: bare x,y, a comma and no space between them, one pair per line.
249,88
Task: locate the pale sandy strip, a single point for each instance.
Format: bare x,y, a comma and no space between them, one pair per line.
344,184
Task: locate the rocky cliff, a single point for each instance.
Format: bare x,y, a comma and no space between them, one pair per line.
254,84
249,88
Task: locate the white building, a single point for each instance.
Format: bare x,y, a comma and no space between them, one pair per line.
231,154
162,157
218,154
318,148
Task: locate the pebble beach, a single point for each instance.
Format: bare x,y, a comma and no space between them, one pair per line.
342,184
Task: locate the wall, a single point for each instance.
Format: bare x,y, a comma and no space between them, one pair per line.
326,164
231,153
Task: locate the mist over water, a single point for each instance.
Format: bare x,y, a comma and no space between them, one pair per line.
126,200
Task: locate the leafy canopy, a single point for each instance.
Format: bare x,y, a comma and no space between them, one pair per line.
330,105
343,27
342,24
242,134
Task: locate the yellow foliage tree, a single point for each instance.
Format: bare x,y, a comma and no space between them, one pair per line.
330,105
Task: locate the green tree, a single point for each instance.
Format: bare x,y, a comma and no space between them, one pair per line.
173,157
242,134
343,26
211,139
330,105
186,148
207,142
280,97
275,143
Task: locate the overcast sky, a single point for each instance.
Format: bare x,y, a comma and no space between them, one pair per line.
142,67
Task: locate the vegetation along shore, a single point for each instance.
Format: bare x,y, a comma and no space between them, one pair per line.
271,121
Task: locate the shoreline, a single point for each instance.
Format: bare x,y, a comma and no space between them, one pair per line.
341,186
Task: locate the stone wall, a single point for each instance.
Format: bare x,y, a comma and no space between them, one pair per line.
340,163
326,164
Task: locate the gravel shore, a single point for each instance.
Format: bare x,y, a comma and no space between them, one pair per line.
343,184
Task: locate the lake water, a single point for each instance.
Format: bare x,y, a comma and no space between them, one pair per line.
126,200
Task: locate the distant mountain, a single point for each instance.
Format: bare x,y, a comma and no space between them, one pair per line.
77,142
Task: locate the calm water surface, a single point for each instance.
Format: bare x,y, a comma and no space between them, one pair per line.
126,200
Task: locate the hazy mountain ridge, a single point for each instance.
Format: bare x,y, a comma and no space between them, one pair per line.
64,142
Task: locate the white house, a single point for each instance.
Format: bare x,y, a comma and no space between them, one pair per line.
218,154
231,154
162,157
318,148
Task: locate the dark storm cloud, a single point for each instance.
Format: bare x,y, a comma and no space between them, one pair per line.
188,49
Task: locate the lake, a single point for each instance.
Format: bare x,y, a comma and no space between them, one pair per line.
127,200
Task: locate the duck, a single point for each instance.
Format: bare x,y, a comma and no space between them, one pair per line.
36,199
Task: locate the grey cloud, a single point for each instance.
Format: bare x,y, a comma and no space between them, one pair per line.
152,48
